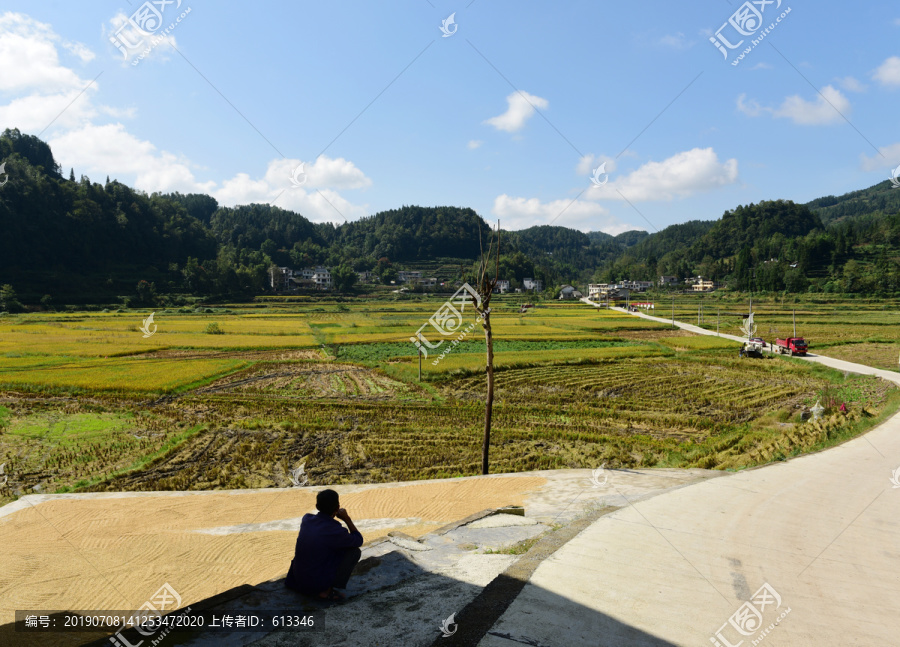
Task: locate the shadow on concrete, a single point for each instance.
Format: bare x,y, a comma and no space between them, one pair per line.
404,592
407,607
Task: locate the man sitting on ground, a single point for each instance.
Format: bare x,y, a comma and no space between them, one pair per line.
326,552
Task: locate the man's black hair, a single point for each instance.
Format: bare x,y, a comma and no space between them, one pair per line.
327,501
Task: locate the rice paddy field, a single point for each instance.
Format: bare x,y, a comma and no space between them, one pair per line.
239,395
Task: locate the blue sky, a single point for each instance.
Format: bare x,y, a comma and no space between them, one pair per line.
509,115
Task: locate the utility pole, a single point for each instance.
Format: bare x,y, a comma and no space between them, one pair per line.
673,312
420,365
795,322
718,313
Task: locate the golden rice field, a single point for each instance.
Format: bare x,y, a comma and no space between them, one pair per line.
121,374
335,386
41,350
696,343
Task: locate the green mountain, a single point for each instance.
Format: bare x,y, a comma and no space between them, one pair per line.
878,199
80,241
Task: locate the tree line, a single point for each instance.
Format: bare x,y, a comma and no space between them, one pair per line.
83,241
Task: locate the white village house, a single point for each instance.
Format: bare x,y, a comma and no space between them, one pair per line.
322,278
284,279
568,292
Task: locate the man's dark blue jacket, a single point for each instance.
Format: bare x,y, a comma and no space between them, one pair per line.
321,546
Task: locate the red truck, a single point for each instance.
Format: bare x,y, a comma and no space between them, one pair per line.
791,346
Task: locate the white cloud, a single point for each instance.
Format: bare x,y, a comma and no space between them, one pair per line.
34,112
43,87
761,66
318,205
110,150
118,113
321,205
474,143
851,84
889,157
334,173
521,108
676,41
31,60
521,213
827,108
888,73
80,50
680,176
897,21
589,162
43,90
750,108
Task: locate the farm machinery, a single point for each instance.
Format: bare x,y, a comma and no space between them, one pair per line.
753,348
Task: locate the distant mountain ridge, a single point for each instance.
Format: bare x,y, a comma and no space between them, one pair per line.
882,197
76,239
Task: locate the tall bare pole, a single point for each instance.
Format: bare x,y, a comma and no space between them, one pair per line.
673,312
486,287
795,322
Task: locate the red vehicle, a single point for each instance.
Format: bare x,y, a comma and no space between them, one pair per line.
791,346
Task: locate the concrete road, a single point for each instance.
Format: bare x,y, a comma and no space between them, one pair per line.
805,552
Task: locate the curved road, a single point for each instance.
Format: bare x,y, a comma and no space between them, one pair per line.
822,531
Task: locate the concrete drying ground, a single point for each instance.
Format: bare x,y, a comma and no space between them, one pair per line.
113,551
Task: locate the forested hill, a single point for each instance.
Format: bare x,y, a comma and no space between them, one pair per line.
880,199
75,239
82,241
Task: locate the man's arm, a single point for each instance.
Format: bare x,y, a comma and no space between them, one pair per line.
343,516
